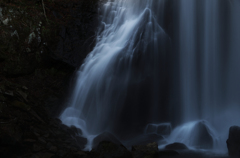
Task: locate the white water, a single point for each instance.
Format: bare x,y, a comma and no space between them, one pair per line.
130,53
193,135
129,29
209,64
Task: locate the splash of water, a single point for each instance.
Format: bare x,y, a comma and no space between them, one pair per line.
196,134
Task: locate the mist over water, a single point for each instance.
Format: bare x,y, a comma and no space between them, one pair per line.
141,73
208,54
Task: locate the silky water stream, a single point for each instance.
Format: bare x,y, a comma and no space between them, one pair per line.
121,86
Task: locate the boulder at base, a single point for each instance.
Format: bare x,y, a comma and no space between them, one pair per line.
144,139
106,149
233,142
176,146
201,135
145,151
149,147
198,134
105,136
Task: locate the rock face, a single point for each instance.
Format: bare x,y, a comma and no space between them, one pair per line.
149,147
148,150
176,146
67,33
35,74
29,135
168,153
106,136
233,141
77,37
144,139
151,151
161,129
202,136
107,149
197,134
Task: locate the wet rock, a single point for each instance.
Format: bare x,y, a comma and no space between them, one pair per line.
149,147
73,149
55,122
46,135
81,141
75,130
7,155
108,149
29,141
29,135
36,134
49,145
176,146
21,105
163,153
7,140
45,155
30,75
37,147
62,153
53,149
22,94
106,136
65,128
153,146
197,134
161,129
79,154
42,141
10,145
233,141
146,139
9,93
75,38
201,136
142,151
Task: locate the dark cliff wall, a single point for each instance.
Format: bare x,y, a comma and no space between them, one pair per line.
42,44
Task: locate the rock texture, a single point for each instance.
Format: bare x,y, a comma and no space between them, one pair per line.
106,136
107,149
30,132
77,36
233,141
41,52
35,75
176,146
201,136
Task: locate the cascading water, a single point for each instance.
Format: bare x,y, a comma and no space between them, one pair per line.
129,52
209,69
121,87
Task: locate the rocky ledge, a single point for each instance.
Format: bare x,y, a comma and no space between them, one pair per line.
42,43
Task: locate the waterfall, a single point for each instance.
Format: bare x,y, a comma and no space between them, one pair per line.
139,74
209,69
125,63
